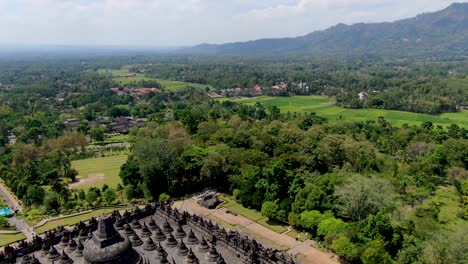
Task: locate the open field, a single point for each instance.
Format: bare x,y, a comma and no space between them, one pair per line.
74,219
324,106
450,209
251,214
120,138
6,239
96,172
168,84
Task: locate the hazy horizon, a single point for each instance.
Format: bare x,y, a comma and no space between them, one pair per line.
162,23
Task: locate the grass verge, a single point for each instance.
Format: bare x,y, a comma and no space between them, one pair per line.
6,239
297,235
69,221
233,205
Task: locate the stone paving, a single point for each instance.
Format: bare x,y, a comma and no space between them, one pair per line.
308,253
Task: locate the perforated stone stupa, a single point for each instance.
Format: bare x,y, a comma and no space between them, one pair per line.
154,234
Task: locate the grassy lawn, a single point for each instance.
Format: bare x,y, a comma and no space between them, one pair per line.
116,139
179,86
233,205
324,106
277,227
168,84
96,172
449,201
297,235
6,239
74,219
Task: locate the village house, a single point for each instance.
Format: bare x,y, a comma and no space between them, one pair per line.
255,91
136,92
122,125
363,95
213,94
71,123
7,86
462,107
279,86
102,121
11,138
232,91
143,91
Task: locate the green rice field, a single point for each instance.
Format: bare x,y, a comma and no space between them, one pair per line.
324,106
167,84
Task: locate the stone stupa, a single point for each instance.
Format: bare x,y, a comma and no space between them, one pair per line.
106,245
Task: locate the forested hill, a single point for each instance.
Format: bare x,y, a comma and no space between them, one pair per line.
438,34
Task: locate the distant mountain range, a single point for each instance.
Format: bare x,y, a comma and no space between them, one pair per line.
441,33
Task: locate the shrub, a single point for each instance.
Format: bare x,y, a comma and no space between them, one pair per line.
163,197
270,209
331,227
346,249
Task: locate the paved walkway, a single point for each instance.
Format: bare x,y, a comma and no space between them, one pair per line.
9,198
13,204
309,254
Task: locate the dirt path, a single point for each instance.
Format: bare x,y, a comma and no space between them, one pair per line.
308,253
92,178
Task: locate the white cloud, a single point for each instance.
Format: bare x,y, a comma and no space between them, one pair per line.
184,22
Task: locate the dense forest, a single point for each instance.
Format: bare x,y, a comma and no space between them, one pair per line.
369,191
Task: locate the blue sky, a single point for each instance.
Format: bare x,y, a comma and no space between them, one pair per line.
187,22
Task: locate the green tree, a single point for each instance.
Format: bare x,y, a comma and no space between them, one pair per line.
375,253
360,196
92,196
448,247
310,220
346,249
132,192
378,226
109,195
163,197
159,164
270,209
97,133
51,201
34,195
4,221
130,172
83,128
331,227
187,118
82,195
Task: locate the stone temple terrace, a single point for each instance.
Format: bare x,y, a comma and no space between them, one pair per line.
153,234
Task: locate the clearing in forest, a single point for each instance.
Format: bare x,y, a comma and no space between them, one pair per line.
96,172
167,84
